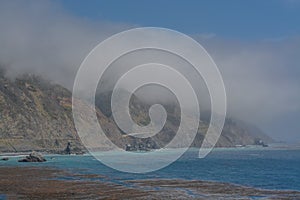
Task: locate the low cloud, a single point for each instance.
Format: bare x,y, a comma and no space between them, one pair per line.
40,37
261,77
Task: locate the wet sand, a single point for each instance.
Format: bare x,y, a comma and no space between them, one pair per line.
47,183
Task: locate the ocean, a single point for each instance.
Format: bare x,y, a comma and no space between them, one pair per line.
265,168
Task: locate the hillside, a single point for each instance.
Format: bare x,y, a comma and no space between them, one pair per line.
235,132
37,115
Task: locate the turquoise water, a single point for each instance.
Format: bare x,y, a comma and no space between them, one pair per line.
268,169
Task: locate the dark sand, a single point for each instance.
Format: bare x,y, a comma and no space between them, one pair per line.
44,183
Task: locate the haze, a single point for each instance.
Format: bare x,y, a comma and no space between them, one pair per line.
261,73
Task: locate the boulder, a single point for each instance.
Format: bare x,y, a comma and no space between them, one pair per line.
33,157
5,159
68,148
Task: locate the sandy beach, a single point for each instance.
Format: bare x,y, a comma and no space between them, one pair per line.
47,183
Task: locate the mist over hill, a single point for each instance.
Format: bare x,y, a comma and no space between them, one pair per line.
37,115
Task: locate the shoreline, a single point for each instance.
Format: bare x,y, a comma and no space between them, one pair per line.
250,147
48,183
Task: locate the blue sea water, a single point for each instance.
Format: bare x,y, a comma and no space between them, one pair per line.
261,168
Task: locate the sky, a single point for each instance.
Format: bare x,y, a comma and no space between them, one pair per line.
247,20
256,45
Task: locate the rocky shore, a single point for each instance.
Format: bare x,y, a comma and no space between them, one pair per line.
33,157
47,183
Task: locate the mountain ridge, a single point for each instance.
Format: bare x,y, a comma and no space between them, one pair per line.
37,115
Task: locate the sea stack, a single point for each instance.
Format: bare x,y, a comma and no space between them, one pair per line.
33,157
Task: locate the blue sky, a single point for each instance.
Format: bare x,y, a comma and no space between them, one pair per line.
246,20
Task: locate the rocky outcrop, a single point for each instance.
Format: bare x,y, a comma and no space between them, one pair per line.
68,148
33,157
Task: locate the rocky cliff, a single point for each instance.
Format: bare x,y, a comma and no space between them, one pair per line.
37,115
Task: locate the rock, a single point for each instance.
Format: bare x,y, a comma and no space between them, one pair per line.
5,159
259,142
68,148
128,147
33,157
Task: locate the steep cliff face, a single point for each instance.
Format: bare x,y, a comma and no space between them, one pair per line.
37,115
